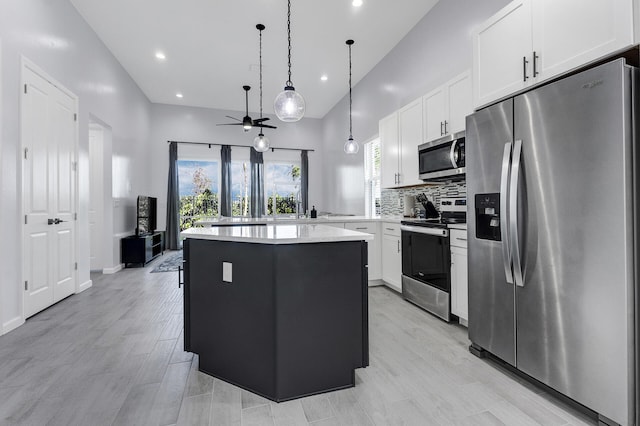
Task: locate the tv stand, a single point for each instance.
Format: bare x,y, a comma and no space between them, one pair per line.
140,250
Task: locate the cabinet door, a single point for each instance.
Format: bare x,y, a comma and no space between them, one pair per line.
392,261
410,123
499,46
389,150
374,246
460,102
459,283
434,105
570,33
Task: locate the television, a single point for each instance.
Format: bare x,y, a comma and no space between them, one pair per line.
146,211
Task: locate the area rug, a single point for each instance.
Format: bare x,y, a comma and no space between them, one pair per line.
170,262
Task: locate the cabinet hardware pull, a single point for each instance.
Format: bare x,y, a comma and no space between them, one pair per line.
361,228
445,127
389,229
461,239
398,246
180,272
524,68
535,64
441,132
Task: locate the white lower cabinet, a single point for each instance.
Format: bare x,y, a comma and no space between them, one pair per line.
459,275
373,250
391,255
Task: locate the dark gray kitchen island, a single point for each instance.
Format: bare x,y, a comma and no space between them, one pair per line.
279,310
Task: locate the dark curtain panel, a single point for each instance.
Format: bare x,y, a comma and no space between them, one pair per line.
225,187
257,183
304,180
173,200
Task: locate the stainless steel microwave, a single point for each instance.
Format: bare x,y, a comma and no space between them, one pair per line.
442,159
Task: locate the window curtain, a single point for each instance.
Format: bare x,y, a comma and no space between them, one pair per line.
173,200
304,180
225,187
257,183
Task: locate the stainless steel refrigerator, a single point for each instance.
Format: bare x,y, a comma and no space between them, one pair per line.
552,192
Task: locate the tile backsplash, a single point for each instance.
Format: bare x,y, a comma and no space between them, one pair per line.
393,199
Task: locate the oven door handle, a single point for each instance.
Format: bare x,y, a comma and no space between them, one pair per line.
438,232
504,217
452,154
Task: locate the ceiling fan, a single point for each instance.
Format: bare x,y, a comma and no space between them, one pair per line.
247,123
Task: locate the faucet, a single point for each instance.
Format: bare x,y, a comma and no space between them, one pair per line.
298,205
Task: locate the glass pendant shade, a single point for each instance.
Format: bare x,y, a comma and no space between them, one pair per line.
261,143
351,147
289,105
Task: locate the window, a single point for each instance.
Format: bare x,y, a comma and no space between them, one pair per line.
240,187
372,177
198,189
282,186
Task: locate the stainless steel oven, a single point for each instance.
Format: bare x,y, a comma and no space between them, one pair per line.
426,277
442,159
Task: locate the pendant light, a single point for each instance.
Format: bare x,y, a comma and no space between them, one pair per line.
351,147
261,142
289,105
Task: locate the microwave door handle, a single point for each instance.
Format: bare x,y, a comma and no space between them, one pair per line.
452,154
513,213
504,218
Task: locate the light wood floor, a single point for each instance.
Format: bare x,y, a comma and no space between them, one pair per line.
113,355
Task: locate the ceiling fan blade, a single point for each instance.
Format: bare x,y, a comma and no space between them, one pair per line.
233,118
267,126
229,124
260,120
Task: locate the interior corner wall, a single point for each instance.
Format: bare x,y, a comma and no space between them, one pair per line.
192,124
54,36
438,48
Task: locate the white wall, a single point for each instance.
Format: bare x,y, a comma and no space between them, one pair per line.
435,50
199,125
54,36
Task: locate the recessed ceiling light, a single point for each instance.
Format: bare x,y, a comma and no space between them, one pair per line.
178,95
324,77
160,55
357,3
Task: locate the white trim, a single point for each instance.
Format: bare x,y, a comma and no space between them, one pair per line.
84,286
12,324
113,270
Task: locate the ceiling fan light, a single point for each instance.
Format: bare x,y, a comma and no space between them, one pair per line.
289,105
261,143
351,147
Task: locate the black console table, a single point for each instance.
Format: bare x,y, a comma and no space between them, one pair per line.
140,250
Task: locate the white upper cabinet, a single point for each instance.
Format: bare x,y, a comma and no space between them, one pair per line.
389,150
569,33
410,118
446,107
530,41
434,105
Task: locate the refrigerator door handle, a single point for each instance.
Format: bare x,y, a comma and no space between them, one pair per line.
504,218
513,213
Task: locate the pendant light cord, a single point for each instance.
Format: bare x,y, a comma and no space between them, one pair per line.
260,77
289,83
350,99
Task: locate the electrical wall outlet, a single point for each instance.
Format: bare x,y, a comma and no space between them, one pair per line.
227,272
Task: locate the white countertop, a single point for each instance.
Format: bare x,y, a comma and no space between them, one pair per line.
269,220
457,226
276,234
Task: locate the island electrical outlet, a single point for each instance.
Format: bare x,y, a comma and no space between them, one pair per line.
227,272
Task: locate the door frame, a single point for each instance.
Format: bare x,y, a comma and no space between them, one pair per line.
26,63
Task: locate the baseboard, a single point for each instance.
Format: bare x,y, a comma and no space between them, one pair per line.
375,283
12,325
113,270
85,285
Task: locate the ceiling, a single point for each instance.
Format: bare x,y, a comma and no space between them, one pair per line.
211,46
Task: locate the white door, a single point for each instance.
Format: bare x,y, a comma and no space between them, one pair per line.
389,150
48,140
434,104
96,197
569,33
410,125
500,48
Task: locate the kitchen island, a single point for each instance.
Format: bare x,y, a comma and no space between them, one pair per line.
279,310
